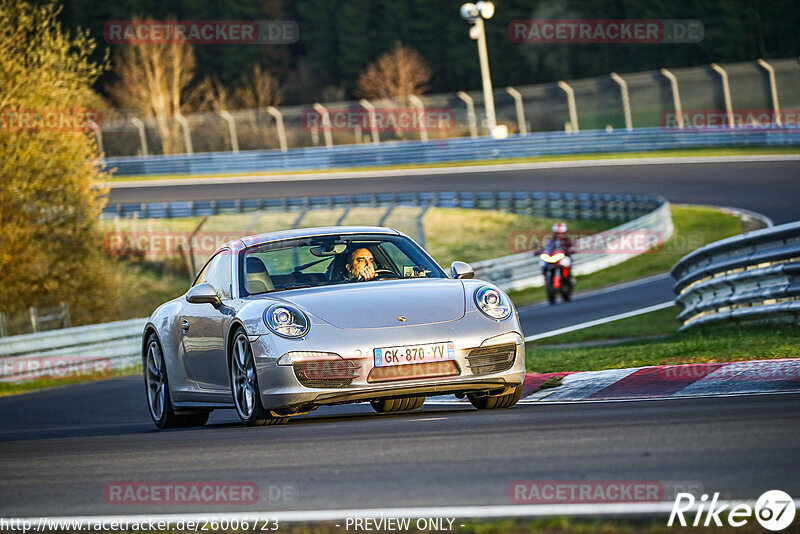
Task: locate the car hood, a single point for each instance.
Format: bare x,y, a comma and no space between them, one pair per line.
380,304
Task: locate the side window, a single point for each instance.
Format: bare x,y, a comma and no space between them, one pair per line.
217,272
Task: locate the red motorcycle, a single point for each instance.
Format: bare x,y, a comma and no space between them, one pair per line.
555,269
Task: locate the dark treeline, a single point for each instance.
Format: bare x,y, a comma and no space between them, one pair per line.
339,38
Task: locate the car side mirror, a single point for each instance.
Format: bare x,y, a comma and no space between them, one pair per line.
203,294
460,269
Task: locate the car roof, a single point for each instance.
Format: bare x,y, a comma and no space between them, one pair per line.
257,239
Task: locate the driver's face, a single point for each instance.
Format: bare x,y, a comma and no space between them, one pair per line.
361,265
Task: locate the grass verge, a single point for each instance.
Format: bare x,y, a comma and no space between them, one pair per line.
678,152
13,388
660,322
694,227
724,343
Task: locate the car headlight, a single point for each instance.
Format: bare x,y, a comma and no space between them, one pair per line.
493,302
286,321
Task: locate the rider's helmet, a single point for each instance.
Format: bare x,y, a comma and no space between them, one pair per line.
559,228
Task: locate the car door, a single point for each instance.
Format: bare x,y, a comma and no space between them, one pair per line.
204,327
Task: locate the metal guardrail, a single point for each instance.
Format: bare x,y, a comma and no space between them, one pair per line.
449,150
117,343
750,277
611,207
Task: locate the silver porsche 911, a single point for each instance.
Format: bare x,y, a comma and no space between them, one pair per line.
278,324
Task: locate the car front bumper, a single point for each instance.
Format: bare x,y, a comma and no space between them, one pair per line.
283,391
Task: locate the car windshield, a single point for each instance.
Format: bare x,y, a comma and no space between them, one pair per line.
332,259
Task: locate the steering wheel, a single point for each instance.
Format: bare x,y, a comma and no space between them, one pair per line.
382,273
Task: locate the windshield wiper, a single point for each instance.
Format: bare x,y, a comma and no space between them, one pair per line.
292,287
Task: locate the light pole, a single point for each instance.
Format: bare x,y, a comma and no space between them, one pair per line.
475,15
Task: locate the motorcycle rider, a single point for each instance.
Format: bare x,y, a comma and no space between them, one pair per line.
561,241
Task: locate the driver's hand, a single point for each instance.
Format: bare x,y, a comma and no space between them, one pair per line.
367,272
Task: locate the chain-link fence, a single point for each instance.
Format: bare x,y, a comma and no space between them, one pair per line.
544,108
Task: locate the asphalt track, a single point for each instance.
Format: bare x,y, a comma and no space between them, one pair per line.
768,187
59,448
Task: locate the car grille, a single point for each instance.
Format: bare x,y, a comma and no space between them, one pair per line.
326,373
487,360
413,371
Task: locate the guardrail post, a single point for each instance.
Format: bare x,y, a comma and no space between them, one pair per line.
676,96
626,100
299,218
34,312
726,92
773,90
343,216
417,103
373,121
471,121
187,135
272,110
573,111
326,123
385,215
517,96
142,137
420,226
3,325
231,129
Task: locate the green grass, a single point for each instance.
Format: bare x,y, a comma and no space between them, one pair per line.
660,322
13,388
707,344
144,287
694,227
679,152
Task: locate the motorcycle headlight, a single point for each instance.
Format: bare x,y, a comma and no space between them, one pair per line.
545,257
286,321
493,302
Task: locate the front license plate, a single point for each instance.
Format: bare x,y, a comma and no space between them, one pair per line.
408,354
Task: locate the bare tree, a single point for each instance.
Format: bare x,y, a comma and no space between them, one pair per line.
209,95
396,74
259,89
153,79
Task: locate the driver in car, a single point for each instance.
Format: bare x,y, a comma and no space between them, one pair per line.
360,265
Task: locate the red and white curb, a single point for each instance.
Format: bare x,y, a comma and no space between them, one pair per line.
662,381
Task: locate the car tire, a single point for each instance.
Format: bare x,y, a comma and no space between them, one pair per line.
486,402
156,387
406,404
244,385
